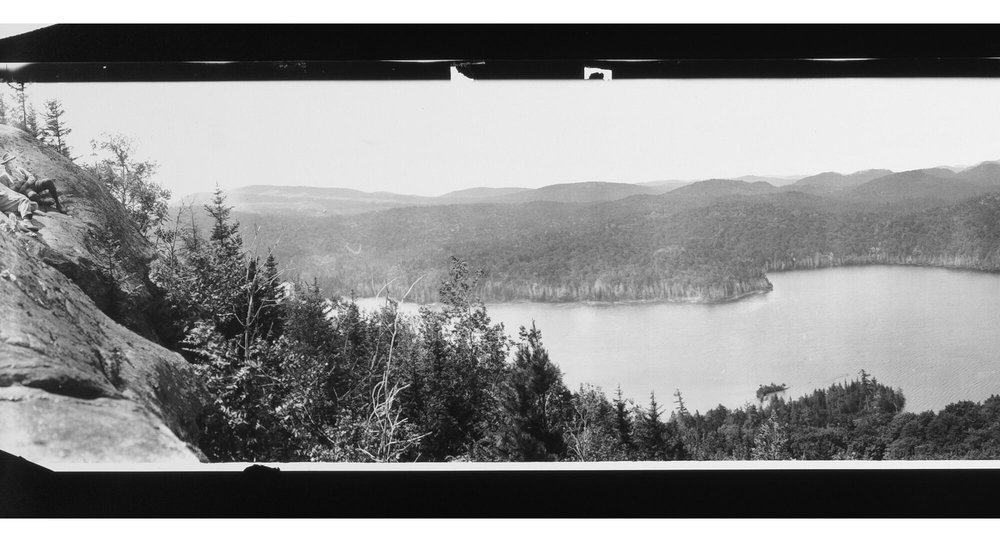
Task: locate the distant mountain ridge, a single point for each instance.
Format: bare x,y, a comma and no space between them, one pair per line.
921,187
482,192
771,179
930,186
723,187
584,192
831,180
986,174
665,186
308,200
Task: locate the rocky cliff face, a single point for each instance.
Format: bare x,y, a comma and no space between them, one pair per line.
73,243
76,386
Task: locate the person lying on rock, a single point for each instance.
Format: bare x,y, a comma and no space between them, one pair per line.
23,181
14,202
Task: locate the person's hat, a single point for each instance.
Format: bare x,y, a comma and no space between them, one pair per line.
7,157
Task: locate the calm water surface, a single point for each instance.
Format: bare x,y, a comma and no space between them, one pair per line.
935,333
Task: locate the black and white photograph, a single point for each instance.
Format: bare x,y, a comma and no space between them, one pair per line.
437,265
469,270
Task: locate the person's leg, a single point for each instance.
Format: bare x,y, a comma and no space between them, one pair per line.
8,205
12,201
48,185
27,208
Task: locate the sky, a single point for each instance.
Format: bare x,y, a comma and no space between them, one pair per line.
7,30
429,138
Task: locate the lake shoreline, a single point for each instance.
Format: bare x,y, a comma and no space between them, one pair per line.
742,295
971,269
625,302
702,300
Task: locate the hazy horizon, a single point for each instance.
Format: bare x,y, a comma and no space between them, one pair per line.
430,138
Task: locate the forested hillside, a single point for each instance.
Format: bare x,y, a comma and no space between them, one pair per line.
831,181
705,243
577,192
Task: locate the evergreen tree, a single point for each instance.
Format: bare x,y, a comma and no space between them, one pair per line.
55,128
439,397
457,380
870,392
224,273
535,402
623,422
306,326
311,380
225,231
684,429
270,296
221,295
650,438
31,124
108,247
682,410
210,284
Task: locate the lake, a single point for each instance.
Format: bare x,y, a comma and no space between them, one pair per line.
935,333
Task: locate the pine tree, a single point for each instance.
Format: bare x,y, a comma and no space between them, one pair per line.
684,430
213,282
225,232
306,325
650,439
623,422
226,293
682,412
228,273
55,128
31,124
317,387
869,390
442,393
537,395
108,247
270,299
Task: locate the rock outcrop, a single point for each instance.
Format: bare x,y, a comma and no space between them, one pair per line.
75,385
74,243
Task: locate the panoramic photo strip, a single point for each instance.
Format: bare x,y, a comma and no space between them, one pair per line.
500,271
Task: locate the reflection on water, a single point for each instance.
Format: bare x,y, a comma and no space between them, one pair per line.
931,332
